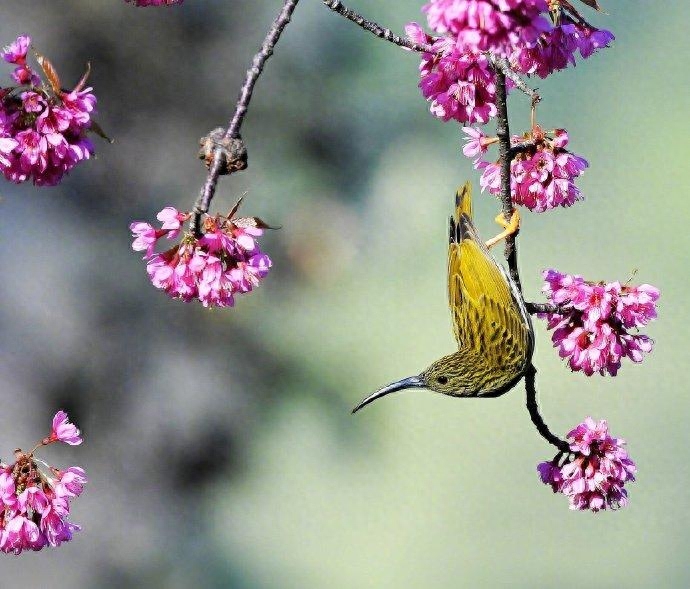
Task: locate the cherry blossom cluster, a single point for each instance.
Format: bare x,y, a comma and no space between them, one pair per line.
154,2
457,79
212,268
556,49
460,85
489,25
35,502
543,171
42,127
594,476
592,332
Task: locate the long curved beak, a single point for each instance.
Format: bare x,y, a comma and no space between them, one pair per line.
413,382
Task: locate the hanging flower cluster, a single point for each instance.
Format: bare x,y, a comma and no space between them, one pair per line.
460,85
457,79
592,333
42,127
212,268
543,171
556,49
154,2
594,477
489,25
35,503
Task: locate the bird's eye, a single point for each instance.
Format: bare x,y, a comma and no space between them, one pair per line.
442,380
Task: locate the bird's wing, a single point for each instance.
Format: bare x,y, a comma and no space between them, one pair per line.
485,313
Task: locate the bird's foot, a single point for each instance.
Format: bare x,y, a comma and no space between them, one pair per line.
511,227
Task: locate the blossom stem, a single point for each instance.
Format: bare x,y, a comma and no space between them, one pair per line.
374,28
233,131
501,64
533,408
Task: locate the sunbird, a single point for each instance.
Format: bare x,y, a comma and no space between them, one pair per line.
490,321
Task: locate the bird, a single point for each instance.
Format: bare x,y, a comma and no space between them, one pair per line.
491,324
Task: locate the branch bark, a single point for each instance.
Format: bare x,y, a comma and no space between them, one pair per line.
376,29
533,408
218,162
506,155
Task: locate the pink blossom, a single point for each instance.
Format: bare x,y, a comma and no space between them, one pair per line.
64,431
16,51
47,126
593,478
592,332
556,48
172,220
542,174
476,142
145,237
460,85
225,260
637,305
35,502
489,25
71,482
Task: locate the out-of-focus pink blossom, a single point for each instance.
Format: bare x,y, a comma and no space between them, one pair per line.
64,431
35,503
42,128
489,25
556,49
542,174
595,477
224,261
592,332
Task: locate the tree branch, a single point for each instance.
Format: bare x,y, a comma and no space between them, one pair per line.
219,159
506,155
374,28
501,64
533,408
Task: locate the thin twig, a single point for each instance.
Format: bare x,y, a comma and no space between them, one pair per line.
533,408
501,63
375,28
233,131
534,308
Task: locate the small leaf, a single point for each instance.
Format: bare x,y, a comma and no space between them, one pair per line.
252,222
98,130
231,214
50,72
85,77
593,4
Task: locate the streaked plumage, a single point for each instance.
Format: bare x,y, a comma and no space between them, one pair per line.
491,325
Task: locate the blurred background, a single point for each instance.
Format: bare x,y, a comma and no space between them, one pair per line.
219,444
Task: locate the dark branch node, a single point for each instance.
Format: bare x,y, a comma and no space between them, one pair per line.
231,150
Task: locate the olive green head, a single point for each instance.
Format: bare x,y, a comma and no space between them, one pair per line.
451,375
